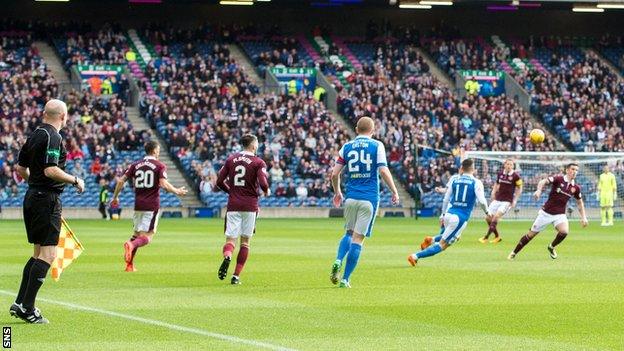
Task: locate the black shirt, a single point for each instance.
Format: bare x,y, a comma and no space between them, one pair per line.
44,148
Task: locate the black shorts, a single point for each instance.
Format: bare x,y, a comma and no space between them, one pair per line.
42,217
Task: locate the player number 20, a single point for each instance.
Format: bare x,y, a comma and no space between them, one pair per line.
239,178
144,179
362,156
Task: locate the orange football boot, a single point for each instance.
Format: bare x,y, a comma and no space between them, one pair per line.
426,243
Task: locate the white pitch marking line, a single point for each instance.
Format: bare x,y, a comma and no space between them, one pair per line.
163,324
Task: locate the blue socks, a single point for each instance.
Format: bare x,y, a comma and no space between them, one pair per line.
430,251
437,238
343,246
352,260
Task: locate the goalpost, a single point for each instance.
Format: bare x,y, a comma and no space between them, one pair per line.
534,166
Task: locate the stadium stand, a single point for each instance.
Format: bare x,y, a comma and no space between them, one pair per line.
100,140
207,102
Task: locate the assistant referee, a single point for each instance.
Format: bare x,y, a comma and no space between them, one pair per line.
41,162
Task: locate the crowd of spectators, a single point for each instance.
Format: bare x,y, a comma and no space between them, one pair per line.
414,109
582,99
97,128
204,104
106,46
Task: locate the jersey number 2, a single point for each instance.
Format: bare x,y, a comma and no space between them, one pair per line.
239,178
354,157
144,179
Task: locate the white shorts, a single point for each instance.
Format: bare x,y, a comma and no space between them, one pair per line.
453,228
499,207
544,219
360,216
240,224
146,221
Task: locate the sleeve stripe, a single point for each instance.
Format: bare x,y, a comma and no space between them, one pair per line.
340,160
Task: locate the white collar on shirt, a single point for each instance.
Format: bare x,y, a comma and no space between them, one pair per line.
565,179
149,158
247,153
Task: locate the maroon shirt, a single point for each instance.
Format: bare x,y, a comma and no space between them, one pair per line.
146,175
560,192
240,177
507,184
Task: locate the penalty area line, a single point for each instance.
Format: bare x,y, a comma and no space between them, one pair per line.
162,324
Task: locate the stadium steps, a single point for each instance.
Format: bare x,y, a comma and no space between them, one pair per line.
54,64
435,70
606,62
175,175
239,55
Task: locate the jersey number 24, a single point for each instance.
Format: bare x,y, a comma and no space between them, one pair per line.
354,157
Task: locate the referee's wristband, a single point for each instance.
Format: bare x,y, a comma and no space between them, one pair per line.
75,180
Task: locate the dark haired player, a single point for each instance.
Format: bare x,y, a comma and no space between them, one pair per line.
505,194
240,177
461,195
562,189
148,175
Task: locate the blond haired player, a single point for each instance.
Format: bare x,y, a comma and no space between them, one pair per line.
607,191
505,195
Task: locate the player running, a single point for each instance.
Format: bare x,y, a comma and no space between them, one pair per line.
442,190
505,194
148,176
365,159
461,193
607,190
553,212
240,177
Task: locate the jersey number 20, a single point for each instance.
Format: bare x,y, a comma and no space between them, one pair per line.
144,179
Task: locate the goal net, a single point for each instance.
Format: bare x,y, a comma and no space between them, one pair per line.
534,166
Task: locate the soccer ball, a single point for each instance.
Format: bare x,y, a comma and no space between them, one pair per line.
537,136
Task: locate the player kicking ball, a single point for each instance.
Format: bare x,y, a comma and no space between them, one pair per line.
563,188
461,193
240,177
431,239
148,176
365,159
505,194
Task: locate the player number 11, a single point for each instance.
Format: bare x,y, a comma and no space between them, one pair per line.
457,192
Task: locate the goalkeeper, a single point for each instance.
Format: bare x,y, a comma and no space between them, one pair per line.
607,191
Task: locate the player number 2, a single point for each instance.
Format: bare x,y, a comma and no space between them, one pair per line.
239,178
363,157
144,179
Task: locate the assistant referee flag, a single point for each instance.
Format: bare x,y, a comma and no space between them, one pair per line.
67,250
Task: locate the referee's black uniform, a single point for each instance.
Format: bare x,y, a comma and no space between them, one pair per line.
42,203
42,213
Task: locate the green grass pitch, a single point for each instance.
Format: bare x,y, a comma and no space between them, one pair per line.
467,298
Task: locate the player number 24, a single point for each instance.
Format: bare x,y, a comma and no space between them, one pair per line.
353,157
144,179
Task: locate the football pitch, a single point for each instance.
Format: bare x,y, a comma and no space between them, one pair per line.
467,298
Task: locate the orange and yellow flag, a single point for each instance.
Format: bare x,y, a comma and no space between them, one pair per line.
67,250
